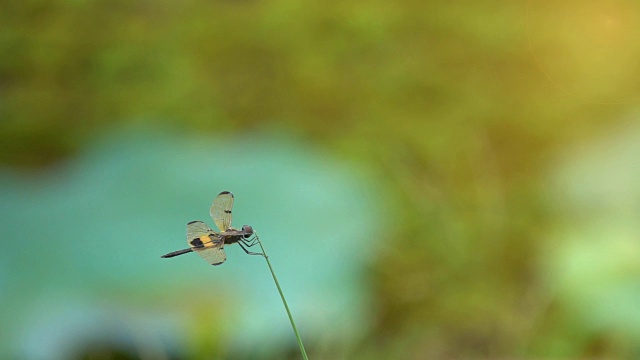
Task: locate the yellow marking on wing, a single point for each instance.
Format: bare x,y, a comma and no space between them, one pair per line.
208,242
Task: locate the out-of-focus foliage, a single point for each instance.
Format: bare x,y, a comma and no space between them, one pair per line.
459,108
419,75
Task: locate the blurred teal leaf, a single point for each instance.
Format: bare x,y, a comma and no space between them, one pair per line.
90,233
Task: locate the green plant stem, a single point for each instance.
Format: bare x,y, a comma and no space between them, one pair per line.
293,324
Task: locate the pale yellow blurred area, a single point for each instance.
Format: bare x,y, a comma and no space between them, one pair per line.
589,49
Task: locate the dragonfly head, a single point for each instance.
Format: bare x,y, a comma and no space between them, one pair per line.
248,231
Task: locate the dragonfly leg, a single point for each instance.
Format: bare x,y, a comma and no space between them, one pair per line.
247,251
251,241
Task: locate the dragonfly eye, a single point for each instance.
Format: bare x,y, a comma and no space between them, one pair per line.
248,231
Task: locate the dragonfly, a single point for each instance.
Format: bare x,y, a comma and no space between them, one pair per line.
208,243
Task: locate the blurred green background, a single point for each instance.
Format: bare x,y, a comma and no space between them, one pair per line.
445,179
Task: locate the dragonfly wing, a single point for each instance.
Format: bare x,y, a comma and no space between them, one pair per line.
214,255
206,242
220,210
196,230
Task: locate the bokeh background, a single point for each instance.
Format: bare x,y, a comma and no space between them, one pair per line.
443,179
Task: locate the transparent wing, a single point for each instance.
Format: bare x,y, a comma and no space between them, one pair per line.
206,242
196,230
214,254
220,210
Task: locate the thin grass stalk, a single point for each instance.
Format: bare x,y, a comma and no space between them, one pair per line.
284,301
